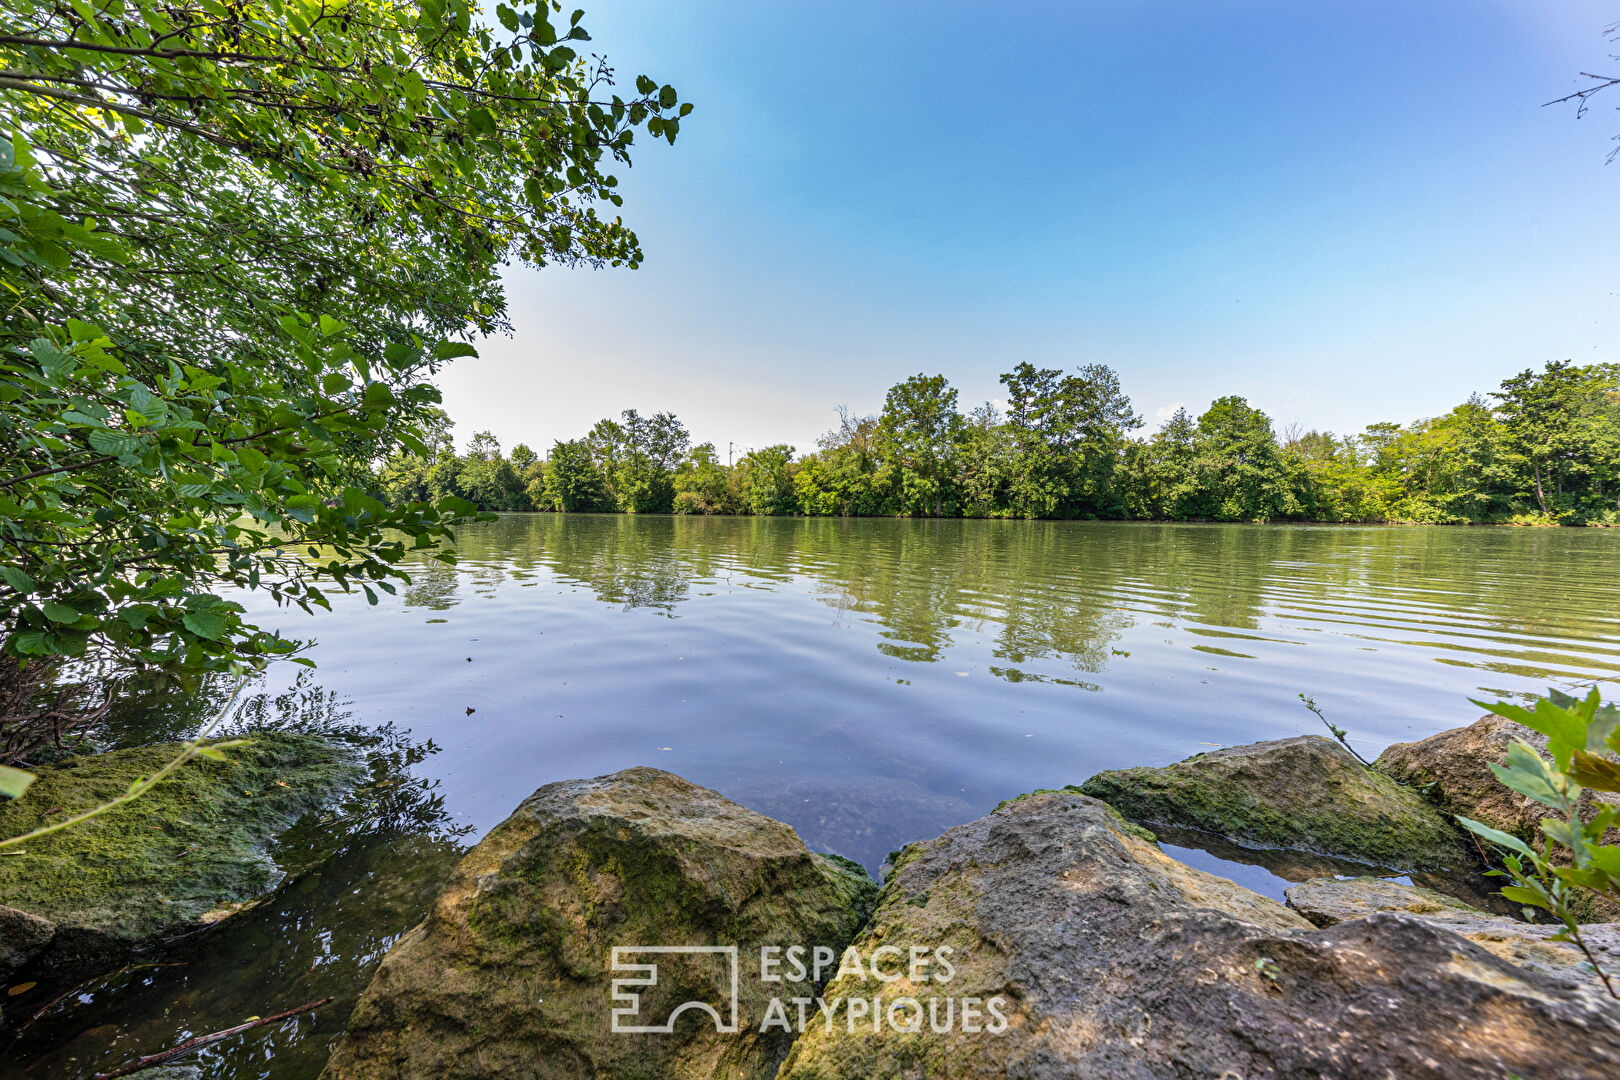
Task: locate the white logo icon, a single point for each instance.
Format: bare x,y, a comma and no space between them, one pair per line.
627,1002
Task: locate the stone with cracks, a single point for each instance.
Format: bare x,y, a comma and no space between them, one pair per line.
510,974
1110,960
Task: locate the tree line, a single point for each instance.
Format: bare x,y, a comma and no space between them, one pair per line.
1544,448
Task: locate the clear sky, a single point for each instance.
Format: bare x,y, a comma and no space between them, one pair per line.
1346,212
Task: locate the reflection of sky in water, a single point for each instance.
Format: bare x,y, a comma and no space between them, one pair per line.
875,681
869,682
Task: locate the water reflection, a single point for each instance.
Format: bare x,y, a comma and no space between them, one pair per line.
360,875
869,682
1518,601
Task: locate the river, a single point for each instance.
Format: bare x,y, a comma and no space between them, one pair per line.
870,682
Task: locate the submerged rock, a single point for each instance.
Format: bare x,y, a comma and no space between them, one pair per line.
1329,901
176,858
1306,793
512,973
1081,950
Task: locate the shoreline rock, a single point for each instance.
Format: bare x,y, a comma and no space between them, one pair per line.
1330,901
1305,793
183,855
512,972
1111,960
1453,769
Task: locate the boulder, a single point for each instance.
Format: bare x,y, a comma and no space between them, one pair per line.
178,857
1453,770
543,948
1329,901
1081,950
1306,794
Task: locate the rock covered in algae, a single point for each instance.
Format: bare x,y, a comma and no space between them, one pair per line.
180,855
1305,793
512,973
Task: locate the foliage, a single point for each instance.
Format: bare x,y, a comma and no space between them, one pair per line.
237,241
917,433
1582,734
765,482
1065,449
703,485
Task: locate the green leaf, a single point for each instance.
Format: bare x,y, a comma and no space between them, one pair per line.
116,443
452,350
58,612
1591,771
1496,836
14,782
1522,895
204,624
1528,774
17,579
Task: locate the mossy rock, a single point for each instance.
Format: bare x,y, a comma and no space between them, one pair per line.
1304,794
182,854
513,973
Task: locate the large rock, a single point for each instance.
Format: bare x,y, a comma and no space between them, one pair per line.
511,975
1453,770
1082,951
183,854
1329,901
1306,793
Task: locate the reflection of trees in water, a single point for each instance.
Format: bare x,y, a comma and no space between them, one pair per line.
625,560
391,796
433,586
1061,590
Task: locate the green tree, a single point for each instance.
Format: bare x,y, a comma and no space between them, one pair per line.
703,485
1241,475
636,457
1164,477
764,480
1563,424
917,432
572,480
238,241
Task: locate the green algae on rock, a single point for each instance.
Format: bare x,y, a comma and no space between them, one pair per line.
186,850
512,973
1306,793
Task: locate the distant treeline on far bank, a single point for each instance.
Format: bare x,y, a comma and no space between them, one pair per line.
1542,449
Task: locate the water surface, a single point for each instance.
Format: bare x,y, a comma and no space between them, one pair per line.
871,682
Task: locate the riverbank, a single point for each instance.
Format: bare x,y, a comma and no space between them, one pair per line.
1052,937
1054,898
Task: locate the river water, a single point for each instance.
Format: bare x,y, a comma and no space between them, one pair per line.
870,682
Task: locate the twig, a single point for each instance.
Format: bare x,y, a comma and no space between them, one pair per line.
206,1040
1338,732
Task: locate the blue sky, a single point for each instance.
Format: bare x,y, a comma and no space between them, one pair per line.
1346,212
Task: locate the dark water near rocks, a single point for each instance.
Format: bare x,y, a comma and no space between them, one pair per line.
870,682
